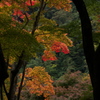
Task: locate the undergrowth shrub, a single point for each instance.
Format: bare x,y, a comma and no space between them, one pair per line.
73,86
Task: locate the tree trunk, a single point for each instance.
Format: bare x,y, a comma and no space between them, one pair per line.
1,93
97,74
3,67
13,79
92,58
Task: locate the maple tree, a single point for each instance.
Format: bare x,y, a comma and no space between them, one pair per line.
38,81
23,33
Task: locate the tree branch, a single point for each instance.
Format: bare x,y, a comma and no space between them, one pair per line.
20,87
38,16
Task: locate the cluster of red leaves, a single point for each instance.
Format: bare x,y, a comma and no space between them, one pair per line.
57,47
60,47
17,13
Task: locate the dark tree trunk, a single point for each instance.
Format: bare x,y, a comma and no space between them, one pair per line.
97,74
1,93
13,79
3,67
92,57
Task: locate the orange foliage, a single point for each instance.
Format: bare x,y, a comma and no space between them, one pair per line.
38,81
48,55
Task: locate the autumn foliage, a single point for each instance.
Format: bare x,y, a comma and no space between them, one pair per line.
56,47
22,36
20,14
48,55
73,86
38,81
59,47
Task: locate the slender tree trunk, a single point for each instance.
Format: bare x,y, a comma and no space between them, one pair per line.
21,84
92,58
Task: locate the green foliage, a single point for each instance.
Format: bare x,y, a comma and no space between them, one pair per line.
14,41
93,7
63,17
87,95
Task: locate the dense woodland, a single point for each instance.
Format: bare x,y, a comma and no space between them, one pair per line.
49,49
